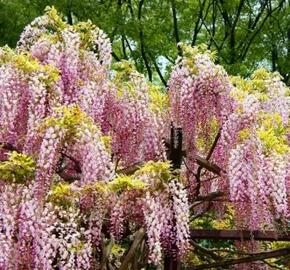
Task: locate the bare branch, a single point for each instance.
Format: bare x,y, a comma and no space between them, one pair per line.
175,25
130,169
130,255
106,251
209,166
205,250
210,196
239,235
8,146
258,29
213,145
253,257
197,23
116,57
142,43
158,71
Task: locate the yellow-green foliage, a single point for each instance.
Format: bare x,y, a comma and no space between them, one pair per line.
158,169
125,182
55,19
57,24
69,118
159,100
77,248
107,142
277,244
85,32
270,129
22,61
27,64
52,72
241,90
261,75
272,133
227,222
245,87
258,85
244,134
117,250
192,258
206,135
74,122
19,168
124,72
95,188
282,264
259,80
189,54
61,194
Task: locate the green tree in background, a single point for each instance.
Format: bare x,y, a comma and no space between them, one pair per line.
246,34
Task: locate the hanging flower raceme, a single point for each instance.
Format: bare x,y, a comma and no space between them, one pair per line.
258,161
132,109
81,53
137,116
166,212
154,225
26,231
200,105
29,91
181,217
199,95
166,217
67,127
72,131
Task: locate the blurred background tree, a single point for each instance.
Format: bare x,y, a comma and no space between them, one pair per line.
246,34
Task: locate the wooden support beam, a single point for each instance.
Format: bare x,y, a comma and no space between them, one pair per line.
251,258
239,235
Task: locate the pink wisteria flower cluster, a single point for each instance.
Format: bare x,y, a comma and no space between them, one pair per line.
89,153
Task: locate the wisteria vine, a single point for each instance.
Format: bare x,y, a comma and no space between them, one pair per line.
86,151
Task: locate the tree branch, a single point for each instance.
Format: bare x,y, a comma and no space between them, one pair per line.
8,146
106,251
197,23
142,44
253,257
124,48
209,166
213,145
77,165
248,44
131,169
158,71
69,15
116,57
210,196
175,25
205,250
130,255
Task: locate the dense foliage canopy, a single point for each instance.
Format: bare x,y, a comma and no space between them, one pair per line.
94,157
245,34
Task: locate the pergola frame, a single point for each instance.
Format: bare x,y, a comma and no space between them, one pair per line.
175,154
